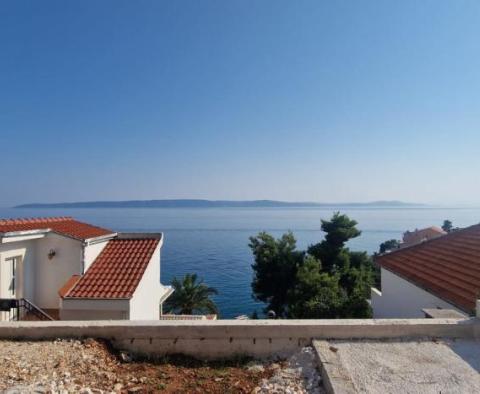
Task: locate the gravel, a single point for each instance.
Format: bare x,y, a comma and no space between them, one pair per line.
298,374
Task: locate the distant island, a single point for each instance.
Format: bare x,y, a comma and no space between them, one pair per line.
197,203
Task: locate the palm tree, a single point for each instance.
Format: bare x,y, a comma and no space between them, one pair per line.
191,296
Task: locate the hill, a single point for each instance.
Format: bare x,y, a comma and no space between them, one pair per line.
197,203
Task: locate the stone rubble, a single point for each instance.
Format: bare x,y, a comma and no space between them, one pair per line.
89,367
297,375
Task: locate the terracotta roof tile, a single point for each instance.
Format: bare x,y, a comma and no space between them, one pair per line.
411,238
64,225
117,271
72,281
448,267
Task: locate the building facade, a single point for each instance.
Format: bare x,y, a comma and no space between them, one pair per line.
76,271
441,273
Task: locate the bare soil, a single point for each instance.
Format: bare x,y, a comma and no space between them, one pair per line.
92,367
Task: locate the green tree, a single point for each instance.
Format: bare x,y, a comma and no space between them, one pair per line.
447,226
275,268
327,281
356,305
388,246
331,251
191,297
316,294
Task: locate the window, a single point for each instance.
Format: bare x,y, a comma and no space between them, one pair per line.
12,288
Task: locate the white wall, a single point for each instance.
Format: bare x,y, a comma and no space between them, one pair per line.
401,299
92,251
26,273
52,274
144,304
94,309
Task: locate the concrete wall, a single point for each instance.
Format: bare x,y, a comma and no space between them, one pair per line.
52,274
401,299
90,309
144,304
227,338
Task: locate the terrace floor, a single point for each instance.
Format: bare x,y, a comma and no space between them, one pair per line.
401,366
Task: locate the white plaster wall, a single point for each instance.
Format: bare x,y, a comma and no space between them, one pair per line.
91,309
92,251
144,304
51,275
401,299
26,273
69,314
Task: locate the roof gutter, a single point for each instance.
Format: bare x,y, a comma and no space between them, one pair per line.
101,238
24,233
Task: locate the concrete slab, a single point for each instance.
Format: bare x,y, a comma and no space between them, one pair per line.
401,366
335,377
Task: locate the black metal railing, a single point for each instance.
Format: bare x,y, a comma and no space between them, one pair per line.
12,309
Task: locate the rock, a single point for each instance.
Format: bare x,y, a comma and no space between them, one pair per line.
298,375
134,389
118,387
40,389
257,368
17,390
125,357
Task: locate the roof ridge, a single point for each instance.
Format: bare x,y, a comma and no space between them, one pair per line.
35,220
63,225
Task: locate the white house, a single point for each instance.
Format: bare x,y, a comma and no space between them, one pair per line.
441,273
65,269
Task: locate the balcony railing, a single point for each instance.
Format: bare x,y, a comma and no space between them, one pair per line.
12,309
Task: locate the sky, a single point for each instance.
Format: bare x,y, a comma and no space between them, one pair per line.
328,101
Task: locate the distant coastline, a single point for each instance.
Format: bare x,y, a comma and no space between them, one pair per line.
198,203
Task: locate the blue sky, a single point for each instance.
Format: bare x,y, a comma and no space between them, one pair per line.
290,100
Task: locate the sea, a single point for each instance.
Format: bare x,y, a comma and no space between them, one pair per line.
213,242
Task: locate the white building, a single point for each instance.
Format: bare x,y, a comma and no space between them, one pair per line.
71,270
442,273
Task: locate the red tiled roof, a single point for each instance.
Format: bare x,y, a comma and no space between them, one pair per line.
117,271
411,238
64,225
448,267
69,285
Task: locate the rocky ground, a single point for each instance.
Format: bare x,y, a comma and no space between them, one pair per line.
297,374
91,367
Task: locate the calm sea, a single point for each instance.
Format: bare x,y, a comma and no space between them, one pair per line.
213,242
